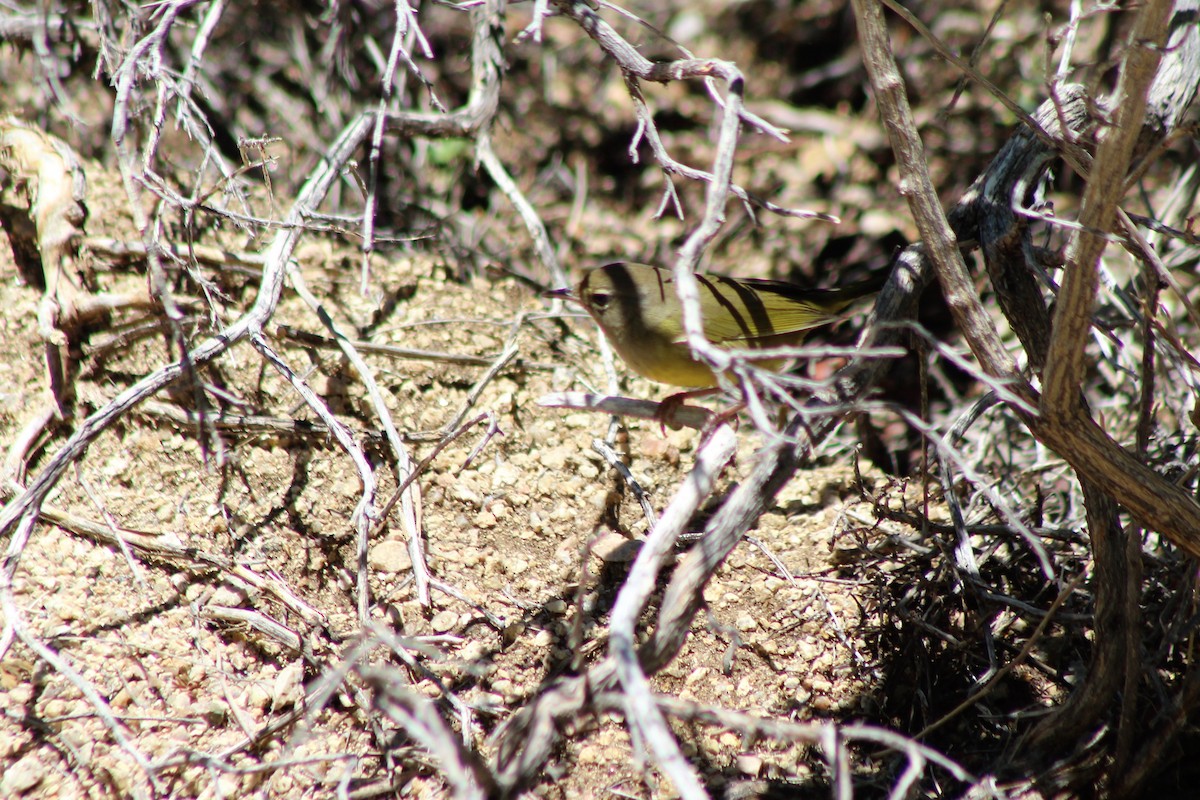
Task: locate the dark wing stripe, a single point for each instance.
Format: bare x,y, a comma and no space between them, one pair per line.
738,317
763,324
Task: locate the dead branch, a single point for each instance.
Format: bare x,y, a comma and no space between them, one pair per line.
645,724
1073,318
636,67
1107,471
1132,483
18,515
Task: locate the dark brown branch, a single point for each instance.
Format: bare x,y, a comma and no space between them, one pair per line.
1073,319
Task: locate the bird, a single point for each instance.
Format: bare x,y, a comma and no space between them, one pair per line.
637,307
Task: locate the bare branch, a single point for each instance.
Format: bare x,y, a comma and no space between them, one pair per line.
1072,320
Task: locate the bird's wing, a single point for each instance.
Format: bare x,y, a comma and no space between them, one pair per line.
741,312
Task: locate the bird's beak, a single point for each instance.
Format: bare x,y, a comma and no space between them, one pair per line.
565,293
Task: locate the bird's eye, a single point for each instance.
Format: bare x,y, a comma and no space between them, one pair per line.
599,300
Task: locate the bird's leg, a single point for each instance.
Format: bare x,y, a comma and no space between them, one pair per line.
667,408
729,415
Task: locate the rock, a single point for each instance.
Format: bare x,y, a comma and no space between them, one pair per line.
505,475
444,621
22,776
749,764
389,556
746,622
288,688
555,458
613,548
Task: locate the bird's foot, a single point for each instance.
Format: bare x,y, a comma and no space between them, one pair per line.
668,408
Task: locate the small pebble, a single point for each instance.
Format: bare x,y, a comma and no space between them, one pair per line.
390,556
444,621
